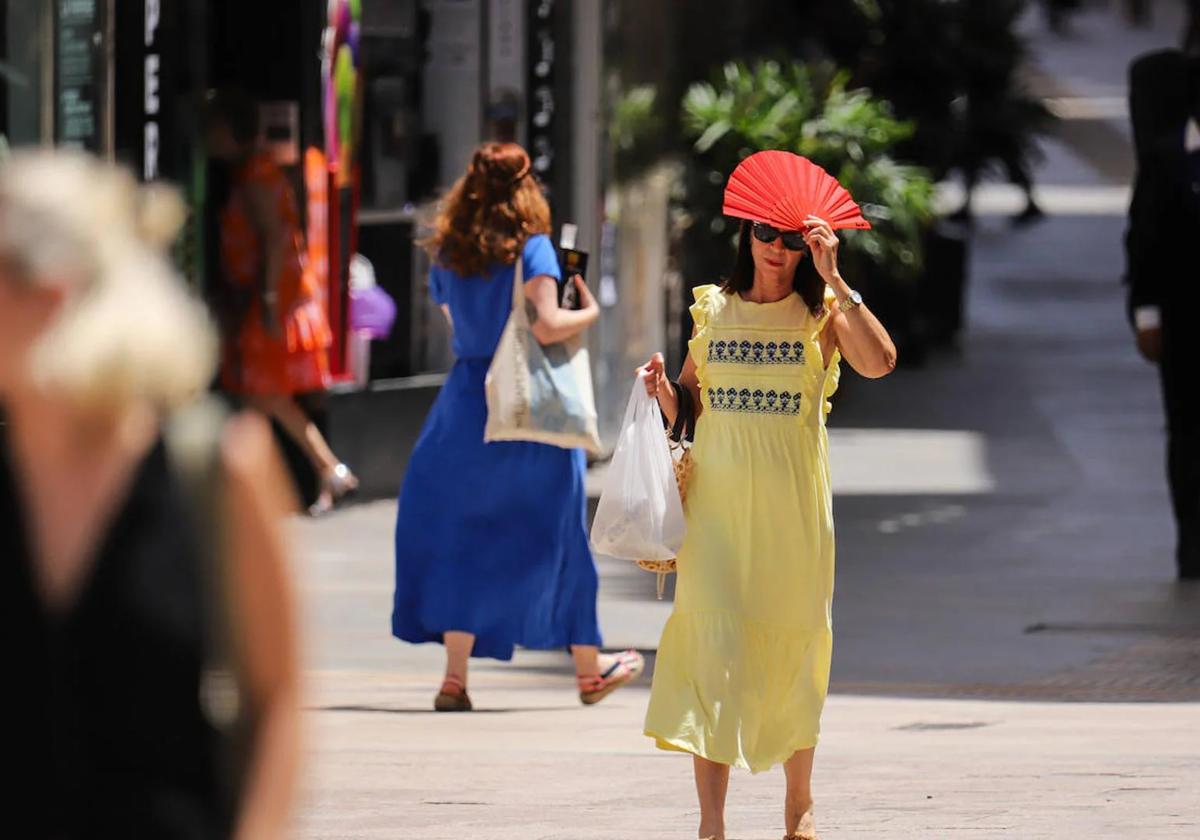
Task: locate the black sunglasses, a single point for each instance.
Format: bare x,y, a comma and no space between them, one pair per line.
793,240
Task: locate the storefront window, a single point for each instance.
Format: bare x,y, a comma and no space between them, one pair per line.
23,30
79,73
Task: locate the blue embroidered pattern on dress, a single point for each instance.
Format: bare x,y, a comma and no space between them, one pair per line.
757,401
757,352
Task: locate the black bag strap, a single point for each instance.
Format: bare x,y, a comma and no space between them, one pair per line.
684,427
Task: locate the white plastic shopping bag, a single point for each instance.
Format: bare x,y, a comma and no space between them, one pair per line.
640,515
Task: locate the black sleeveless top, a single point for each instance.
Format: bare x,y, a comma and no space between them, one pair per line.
103,725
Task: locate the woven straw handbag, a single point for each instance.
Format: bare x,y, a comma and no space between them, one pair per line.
679,436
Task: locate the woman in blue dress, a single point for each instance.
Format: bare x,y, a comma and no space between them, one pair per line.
491,538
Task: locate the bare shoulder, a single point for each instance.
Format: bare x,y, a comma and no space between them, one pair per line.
253,466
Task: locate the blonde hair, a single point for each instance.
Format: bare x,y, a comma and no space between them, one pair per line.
129,329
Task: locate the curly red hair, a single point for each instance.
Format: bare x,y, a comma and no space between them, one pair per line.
488,215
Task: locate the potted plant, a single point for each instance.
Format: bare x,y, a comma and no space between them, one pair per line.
812,111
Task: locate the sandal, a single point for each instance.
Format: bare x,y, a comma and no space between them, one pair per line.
807,820
452,697
800,836
627,667
335,486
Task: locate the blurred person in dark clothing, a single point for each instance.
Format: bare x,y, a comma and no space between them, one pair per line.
134,709
1056,13
997,120
1016,169
1138,13
1162,262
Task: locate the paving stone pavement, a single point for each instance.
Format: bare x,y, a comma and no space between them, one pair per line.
534,765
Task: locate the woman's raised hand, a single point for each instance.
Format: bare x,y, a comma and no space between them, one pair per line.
823,243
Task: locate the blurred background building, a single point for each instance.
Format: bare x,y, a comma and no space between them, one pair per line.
632,111
420,85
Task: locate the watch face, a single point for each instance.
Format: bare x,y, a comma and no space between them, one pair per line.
856,298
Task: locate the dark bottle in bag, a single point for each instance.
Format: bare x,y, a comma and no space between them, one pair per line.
571,262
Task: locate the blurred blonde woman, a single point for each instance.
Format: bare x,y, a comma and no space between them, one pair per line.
100,565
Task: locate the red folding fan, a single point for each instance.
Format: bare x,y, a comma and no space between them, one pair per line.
784,189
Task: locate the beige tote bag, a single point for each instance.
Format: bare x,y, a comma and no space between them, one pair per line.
539,394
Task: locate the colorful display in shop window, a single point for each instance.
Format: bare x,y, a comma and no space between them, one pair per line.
342,66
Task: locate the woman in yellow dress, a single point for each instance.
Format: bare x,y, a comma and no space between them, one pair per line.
743,665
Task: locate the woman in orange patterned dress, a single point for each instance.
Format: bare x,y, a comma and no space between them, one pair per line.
277,333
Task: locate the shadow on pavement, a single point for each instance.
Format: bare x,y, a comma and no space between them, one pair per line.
393,710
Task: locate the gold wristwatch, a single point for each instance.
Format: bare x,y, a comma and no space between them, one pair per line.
852,300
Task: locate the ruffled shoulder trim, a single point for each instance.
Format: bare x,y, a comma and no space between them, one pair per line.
710,300
833,378
833,375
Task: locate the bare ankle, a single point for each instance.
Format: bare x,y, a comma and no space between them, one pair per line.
800,821
798,807
454,684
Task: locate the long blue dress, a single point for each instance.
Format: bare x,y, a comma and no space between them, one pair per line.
491,538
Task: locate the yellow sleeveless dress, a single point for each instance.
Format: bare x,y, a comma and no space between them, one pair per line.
743,665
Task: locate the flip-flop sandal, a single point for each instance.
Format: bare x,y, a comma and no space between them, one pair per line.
627,667
452,700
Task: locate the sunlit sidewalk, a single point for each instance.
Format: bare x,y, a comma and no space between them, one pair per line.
533,764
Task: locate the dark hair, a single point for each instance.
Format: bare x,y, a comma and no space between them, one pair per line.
807,282
236,109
